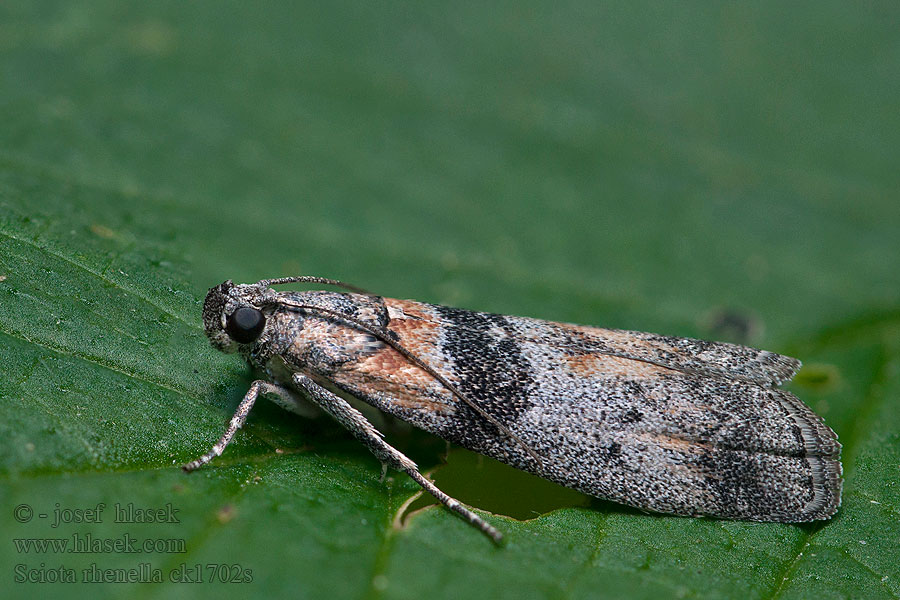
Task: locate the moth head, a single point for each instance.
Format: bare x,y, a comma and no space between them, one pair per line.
230,317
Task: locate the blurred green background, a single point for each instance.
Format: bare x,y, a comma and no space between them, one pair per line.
723,171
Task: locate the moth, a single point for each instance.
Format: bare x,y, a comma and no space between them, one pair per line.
664,424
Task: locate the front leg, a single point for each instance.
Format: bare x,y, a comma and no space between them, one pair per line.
237,421
364,431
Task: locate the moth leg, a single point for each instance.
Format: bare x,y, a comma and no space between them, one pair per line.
291,401
365,432
237,421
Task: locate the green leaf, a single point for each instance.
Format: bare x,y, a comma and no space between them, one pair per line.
710,171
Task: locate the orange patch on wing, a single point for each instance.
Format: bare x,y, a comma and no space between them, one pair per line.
595,364
389,372
678,444
617,338
414,310
420,338
414,332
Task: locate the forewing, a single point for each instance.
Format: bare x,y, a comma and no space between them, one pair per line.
665,424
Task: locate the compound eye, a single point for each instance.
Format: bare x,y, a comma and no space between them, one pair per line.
245,324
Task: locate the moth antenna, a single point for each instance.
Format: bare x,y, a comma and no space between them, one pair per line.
313,279
387,339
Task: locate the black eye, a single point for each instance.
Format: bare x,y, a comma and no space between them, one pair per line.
245,324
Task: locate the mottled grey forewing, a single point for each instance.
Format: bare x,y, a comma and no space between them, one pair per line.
665,424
